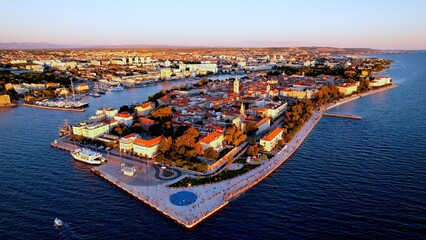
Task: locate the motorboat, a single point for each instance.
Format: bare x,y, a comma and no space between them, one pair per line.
58,222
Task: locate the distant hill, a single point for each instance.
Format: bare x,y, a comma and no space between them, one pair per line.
32,45
46,45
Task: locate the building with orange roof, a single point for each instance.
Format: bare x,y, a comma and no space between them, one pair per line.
146,123
214,140
124,117
263,124
126,142
271,139
218,129
111,122
165,100
146,148
145,109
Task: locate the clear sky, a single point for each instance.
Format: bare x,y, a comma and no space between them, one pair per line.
380,24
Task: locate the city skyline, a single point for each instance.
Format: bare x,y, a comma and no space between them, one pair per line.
360,24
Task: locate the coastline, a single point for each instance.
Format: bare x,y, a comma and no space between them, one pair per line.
10,105
215,196
354,97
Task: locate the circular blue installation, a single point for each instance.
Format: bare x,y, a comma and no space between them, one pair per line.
183,198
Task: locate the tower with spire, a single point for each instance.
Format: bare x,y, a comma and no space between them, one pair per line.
236,85
242,110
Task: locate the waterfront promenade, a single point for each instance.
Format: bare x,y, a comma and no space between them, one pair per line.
210,197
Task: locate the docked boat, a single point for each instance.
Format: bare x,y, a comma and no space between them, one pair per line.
117,88
61,104
87,156
58,222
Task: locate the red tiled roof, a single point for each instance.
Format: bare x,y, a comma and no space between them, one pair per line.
109,121
272,134
165,99
148,143
262,121
145,105
146,120
217,128
210,137
123,115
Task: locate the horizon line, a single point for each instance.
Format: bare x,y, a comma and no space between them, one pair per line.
58,46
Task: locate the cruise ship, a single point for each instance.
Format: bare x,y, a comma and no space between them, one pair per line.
87,156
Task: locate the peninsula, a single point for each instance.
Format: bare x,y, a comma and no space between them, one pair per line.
189,150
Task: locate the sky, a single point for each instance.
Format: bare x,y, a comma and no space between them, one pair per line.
378,24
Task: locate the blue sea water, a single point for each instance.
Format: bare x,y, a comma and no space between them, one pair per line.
349,180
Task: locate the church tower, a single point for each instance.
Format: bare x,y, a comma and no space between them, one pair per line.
242,111
236,86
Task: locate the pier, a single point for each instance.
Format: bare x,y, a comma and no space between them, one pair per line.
342,116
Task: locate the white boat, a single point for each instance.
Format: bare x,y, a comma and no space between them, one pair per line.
87,156
58,222
117,88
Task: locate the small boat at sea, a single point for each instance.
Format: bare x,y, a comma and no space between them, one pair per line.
58,222
87,156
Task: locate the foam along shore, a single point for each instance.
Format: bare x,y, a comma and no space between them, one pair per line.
210,197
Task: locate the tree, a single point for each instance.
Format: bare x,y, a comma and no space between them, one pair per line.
118,130
363,85
136,127
124,108
162,113
251,128
210,154
165,144
253,150
234,135
185,143
160,157
216,108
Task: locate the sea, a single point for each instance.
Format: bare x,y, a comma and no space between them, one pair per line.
350,179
